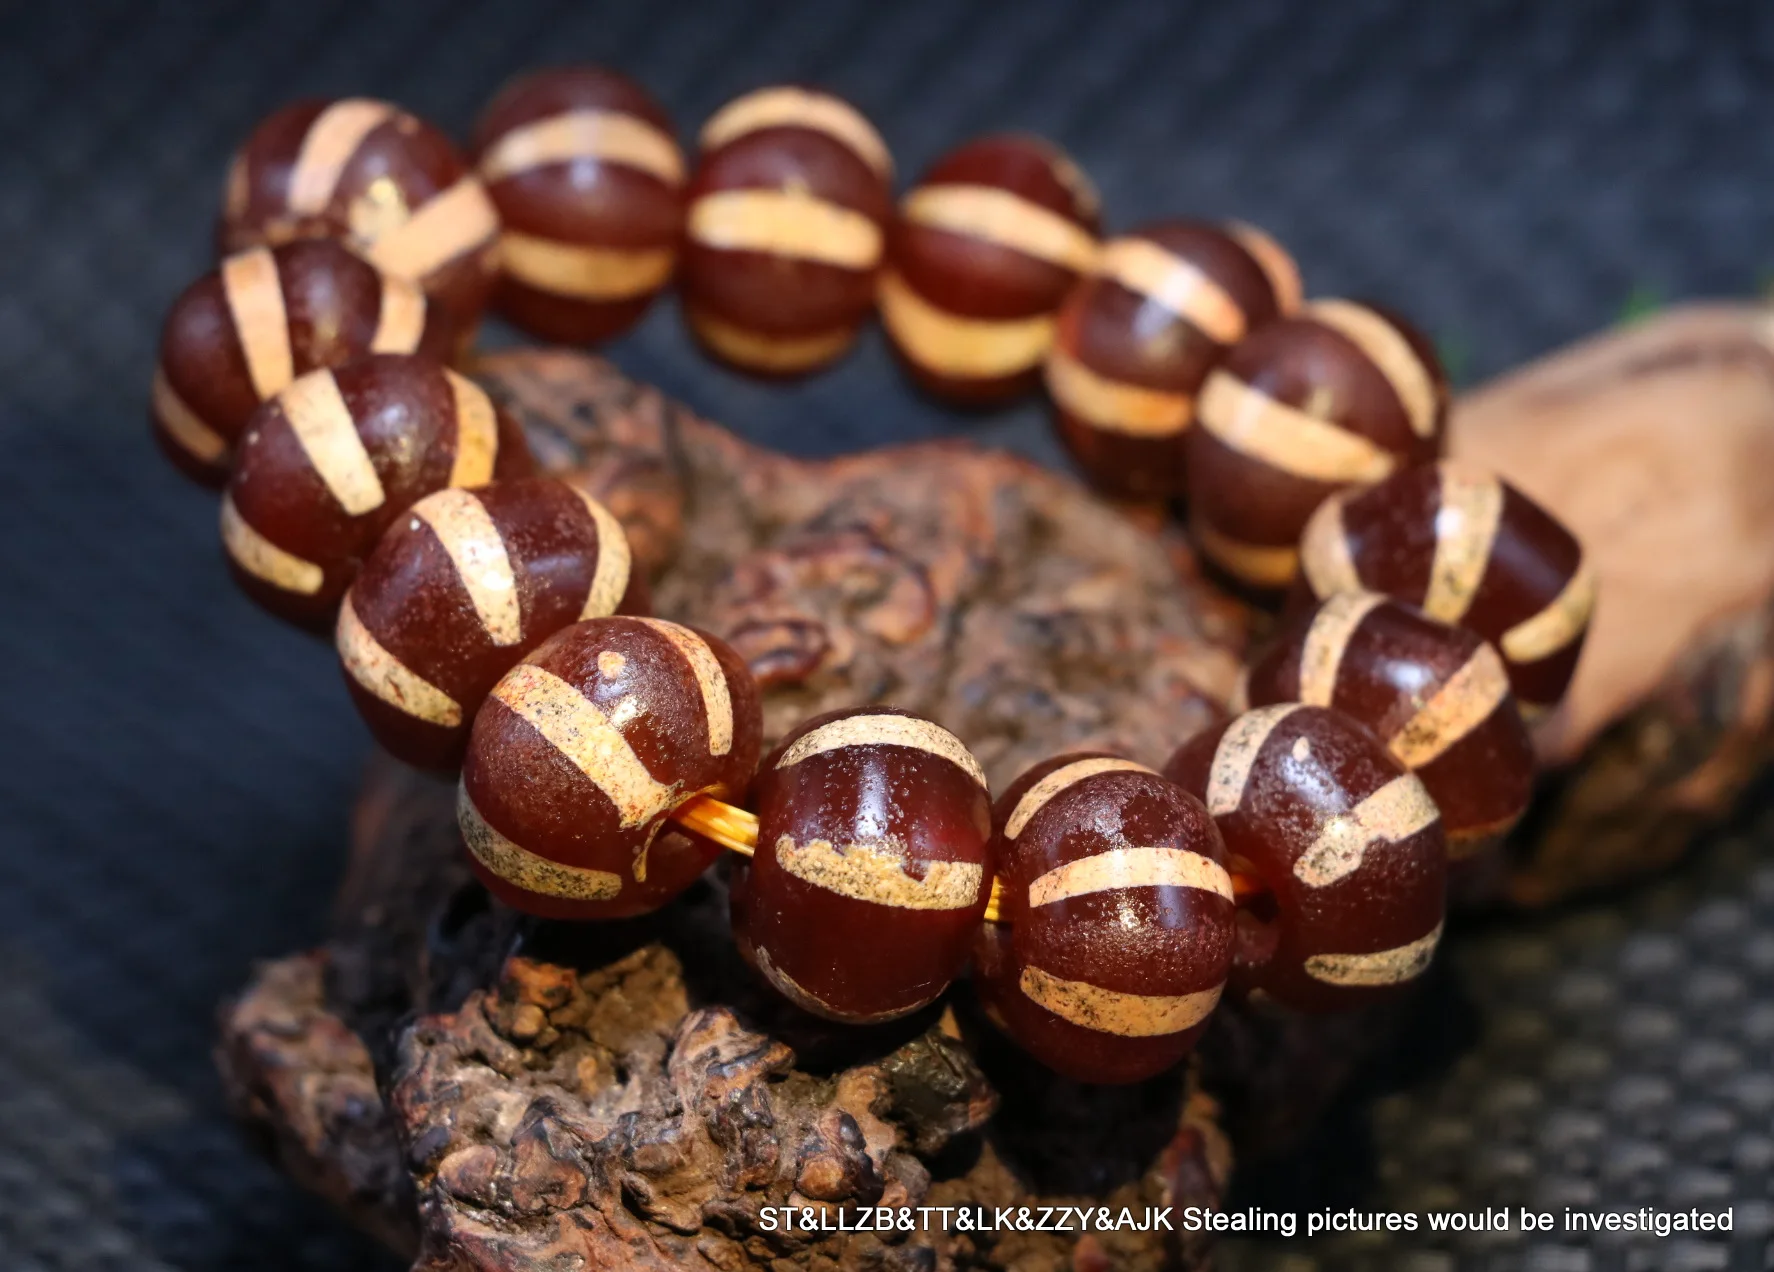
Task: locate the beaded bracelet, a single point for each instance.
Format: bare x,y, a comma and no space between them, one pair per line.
492,621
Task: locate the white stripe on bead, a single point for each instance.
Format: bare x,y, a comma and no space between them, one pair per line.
331,140
584,736
1038,796
1113,1012
711,681
1237,753
328,436
1378,968
876,873
475,547
255,304
606,136
884,730
1396,811
1131,867
370,664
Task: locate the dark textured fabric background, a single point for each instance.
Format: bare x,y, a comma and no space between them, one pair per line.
177,767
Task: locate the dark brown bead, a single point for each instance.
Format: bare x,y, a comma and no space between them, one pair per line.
263,317
583,750
982,252
1136,340
1469,549
460,589
392,186
584,168
1120,915
1437,696
1347,841
872,867
787,215
1342,395
329,463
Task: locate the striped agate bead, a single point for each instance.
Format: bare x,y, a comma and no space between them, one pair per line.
582,751
1136,340
1119,914
785,227
333,460
584,168
1340,395
1347,841
872,867
983,250
392,186
461,588
1437,696
1467,548
261,318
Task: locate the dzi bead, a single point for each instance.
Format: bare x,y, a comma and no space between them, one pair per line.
1341,395
460,589
329,464
1437,696
872,865
586,174
1347,841
583,750
1469,549
1118,919
242,332
1136,340
386,182
982,251
785,229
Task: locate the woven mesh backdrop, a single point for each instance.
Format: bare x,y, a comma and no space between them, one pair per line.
177,771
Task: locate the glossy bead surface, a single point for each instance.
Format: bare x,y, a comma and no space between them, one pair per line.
1469,549
1120,915
242,332
329,463
1340,395
1136,339
1347,841
872,867
392,186
982,252
582,751
1437,696
461,588
785,229
586,173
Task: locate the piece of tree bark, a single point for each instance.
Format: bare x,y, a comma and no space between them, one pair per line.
1655,444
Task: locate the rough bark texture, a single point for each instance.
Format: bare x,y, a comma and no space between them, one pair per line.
620,1096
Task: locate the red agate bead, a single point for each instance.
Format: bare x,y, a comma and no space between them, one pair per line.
583,750
982,251
585,170
1340,395
786,222
872,866
1437,696
386,182
1119,916
1347,841
264,316
1469,549
329,463
458,590
1136,340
